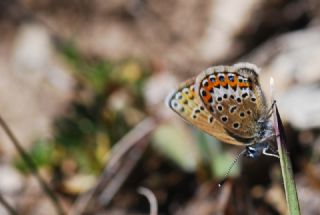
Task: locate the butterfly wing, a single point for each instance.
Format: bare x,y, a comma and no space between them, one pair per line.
186,104
232,94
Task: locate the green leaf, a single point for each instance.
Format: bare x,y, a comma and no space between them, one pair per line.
177,144
218,159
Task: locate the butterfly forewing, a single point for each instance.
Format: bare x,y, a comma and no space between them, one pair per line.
232,94
186,103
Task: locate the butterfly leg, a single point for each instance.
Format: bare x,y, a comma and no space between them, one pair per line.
262,148
270,111
269,146
264,151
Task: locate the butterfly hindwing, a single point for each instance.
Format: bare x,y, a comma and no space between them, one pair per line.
232,94
186,103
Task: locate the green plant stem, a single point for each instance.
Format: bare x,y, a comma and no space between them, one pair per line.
32,166
286,167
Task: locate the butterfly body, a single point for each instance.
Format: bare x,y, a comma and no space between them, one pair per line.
228,103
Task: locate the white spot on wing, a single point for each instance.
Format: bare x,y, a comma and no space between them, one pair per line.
185,90
205,82
178,95
212,77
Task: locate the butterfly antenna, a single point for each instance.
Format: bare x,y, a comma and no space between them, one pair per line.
231,166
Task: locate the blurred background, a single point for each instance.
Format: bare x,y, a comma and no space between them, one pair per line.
82,87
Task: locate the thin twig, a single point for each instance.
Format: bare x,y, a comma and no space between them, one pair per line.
127,165
113,167
32,166
151,198
137,133
7,206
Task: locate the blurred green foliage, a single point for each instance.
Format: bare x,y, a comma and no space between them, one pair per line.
178,145
193,150
41,153
215,156
93,123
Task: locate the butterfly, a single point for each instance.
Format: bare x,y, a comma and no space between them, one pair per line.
227,102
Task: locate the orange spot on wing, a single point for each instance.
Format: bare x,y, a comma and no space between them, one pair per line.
191,94
243,84
212,84
207,97
209,87
233,83
225,82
